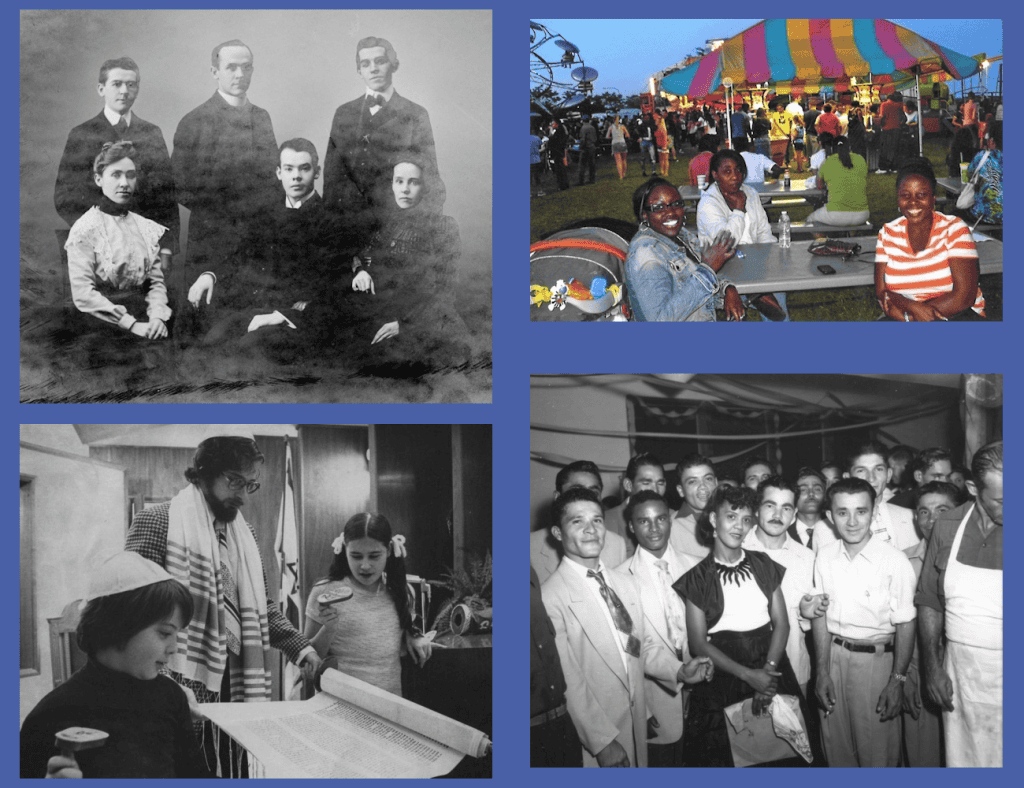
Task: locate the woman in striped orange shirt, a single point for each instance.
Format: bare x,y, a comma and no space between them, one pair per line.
926,264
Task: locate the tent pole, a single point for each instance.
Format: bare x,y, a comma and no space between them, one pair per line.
920,115
728,119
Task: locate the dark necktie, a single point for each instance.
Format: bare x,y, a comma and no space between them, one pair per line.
376,101
623,622
232,619
121,127
810,538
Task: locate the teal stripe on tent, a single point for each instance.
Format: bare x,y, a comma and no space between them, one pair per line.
679,82
867,44
776,38
961,65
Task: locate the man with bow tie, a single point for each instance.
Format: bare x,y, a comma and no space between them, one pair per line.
368,133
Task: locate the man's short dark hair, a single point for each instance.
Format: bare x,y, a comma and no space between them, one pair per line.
849,486
945,488
580,466
300,145
988,458
642,460
926,458
371,42
691,461
751,463
868,447
125,63
114,620
571,496
809,471
642,497
741,497
223,453
779,484
902,452
234,42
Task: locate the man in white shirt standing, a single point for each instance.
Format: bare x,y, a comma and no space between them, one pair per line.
654,568
864,642
601,639
776,510
696,483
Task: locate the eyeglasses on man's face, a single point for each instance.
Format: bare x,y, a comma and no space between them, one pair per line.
237,482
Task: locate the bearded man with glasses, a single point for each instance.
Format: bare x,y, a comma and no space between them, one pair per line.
201,538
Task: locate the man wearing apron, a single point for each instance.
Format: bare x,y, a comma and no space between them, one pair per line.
961,593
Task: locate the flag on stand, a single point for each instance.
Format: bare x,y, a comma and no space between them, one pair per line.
287,547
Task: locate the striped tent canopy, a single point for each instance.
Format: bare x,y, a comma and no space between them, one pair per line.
799,56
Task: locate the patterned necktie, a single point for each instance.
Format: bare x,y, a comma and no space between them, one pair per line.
623,622
675,613
232,619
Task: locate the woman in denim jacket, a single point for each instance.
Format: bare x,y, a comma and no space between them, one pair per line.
669,276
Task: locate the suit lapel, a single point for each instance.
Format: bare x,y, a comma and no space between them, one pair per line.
595,626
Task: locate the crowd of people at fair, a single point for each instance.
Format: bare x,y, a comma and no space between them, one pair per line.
857,604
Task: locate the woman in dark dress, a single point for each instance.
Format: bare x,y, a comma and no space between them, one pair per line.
411,324
735,597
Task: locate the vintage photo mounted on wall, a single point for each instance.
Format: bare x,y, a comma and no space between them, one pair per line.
255,600
254,206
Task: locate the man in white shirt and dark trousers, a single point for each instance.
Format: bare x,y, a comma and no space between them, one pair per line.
864,642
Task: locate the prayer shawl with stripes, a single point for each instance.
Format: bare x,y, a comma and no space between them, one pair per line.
194,556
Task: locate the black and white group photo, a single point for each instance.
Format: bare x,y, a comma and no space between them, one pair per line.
755,570
255,206
255,600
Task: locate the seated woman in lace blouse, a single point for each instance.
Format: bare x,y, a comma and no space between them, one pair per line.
116,258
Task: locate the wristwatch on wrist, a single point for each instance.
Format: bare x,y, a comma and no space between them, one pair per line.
899,677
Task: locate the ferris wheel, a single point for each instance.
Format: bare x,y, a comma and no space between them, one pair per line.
547,68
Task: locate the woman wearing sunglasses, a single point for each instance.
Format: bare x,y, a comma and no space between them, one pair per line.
669,276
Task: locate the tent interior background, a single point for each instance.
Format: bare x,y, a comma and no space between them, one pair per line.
81,483
960,412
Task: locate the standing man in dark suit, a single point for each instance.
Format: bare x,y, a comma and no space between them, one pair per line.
366,135
225,158
76,192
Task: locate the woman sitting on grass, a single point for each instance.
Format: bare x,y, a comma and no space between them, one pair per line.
926,264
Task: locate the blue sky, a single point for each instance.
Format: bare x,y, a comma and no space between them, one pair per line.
667,41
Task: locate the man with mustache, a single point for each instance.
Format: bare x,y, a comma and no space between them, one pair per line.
810,488
224,159
776,510
201,538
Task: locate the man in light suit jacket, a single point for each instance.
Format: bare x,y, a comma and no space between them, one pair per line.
650,521
368,133
545,551
601,640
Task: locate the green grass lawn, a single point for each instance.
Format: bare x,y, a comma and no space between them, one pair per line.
612,197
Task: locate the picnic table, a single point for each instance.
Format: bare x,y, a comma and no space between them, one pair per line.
769,191
768,268
951,185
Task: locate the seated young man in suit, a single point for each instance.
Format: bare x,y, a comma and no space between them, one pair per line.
76,192
286,280
601,639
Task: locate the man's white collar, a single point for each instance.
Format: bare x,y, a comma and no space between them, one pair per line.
113,117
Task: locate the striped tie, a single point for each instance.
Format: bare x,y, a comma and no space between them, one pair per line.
620,616
232,618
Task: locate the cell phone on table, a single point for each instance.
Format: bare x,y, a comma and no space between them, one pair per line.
826,269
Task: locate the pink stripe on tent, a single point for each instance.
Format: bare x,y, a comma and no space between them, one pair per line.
889,40
703,80
755,54
824,52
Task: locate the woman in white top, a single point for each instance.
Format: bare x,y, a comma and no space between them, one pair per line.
618,134
729,204
116,257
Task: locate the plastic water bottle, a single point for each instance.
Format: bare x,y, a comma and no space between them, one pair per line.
784,234
786,181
